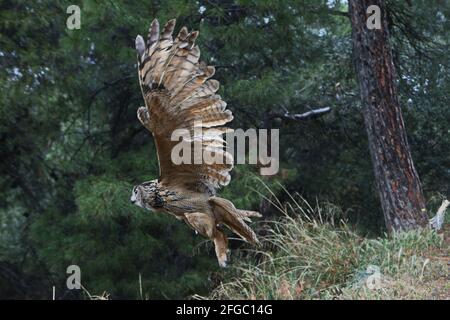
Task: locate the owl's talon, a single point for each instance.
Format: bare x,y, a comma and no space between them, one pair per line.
223,264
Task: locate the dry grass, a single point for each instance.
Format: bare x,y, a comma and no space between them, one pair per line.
307,255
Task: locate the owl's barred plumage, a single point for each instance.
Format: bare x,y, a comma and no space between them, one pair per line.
179,94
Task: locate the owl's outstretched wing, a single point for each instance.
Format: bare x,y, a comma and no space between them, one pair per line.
179,94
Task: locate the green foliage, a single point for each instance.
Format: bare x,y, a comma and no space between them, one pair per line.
247,187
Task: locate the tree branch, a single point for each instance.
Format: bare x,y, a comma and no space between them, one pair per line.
301,116
333,12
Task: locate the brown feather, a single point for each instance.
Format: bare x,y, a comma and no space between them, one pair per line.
179,94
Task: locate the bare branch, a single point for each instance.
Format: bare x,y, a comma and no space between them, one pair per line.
301,116
326,10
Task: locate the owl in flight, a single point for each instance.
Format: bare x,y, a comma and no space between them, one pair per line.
179,94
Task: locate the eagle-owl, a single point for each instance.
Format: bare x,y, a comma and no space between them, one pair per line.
179,94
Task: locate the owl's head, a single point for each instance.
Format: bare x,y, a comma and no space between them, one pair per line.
146,195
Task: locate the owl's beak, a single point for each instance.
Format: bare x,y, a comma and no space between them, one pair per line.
133,198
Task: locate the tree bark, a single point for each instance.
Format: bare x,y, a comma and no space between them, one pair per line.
397,181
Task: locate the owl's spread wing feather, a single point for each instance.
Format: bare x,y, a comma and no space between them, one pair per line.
179,94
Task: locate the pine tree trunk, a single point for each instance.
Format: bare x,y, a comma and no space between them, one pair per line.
397,181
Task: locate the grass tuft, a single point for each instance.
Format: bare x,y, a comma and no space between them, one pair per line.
310,254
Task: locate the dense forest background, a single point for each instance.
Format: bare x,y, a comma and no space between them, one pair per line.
71,147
